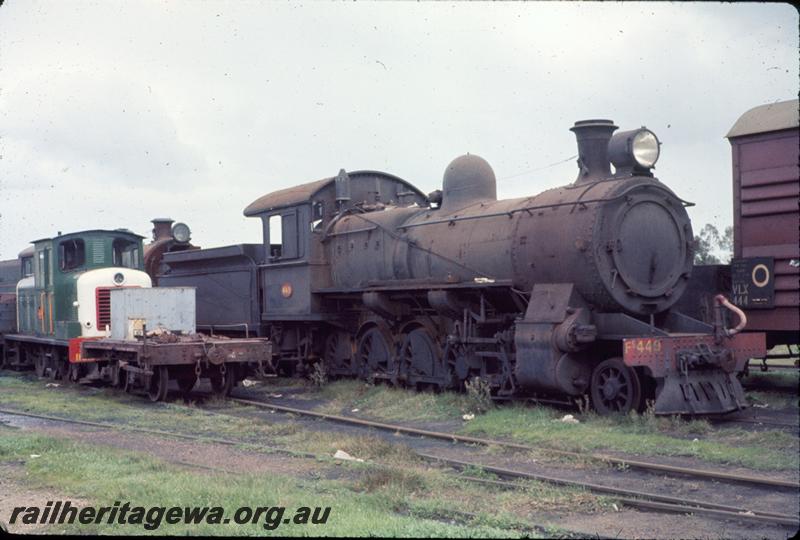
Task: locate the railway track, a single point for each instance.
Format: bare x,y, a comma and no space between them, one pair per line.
678,506
632,498
659,468
757,421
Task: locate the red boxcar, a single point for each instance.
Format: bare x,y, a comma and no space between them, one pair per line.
765,271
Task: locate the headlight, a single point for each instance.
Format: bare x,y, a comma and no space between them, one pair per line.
181,233
634,152
645,148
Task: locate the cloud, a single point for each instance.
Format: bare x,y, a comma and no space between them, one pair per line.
241,99
113,129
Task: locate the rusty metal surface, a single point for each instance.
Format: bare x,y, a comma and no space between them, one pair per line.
184,351
305,192
593,137
696,375
624,242
163,242
661,354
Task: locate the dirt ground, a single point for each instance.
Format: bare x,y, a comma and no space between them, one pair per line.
16,490
624,523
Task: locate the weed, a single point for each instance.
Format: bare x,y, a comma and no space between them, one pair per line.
319,375
397,481
478,472
773,400
479,395
584,404
650,408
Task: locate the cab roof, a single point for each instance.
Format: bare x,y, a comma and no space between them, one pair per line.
115,232
766,118
306,192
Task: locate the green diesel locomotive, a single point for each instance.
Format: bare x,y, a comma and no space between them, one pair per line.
68,298
89,313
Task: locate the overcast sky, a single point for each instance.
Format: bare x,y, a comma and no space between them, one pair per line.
112,113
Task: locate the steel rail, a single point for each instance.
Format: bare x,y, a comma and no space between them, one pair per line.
655,501
651,499
760,422
644,465
769,517
227,442
186,436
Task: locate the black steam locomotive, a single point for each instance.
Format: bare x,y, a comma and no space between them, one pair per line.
568,292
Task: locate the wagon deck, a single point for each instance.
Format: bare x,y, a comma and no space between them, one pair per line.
182,352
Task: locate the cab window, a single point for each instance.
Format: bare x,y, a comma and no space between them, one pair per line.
317,215
71,254
283,236
125,253
274,230
27,266
42,277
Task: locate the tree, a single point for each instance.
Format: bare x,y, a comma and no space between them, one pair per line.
726,244
712,248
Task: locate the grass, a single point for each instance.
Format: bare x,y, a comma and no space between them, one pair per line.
773,400
777,389
394,480
538,426
644,434
110,406
387,403
103,476
783,380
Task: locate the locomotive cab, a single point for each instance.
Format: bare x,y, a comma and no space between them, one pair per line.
298,227
297,223
69,295
68,298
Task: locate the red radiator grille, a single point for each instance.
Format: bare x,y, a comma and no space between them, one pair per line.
103,303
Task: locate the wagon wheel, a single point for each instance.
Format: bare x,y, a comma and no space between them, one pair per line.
223,381
125,381
117,374
338,354
39,364
159,384
374,353
186,380
73,373
58,365
615,388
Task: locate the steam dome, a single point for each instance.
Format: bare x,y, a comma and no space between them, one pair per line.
467,180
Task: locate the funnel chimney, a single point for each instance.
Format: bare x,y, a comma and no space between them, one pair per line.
593,137
162,228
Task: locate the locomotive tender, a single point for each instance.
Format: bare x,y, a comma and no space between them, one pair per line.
568,292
